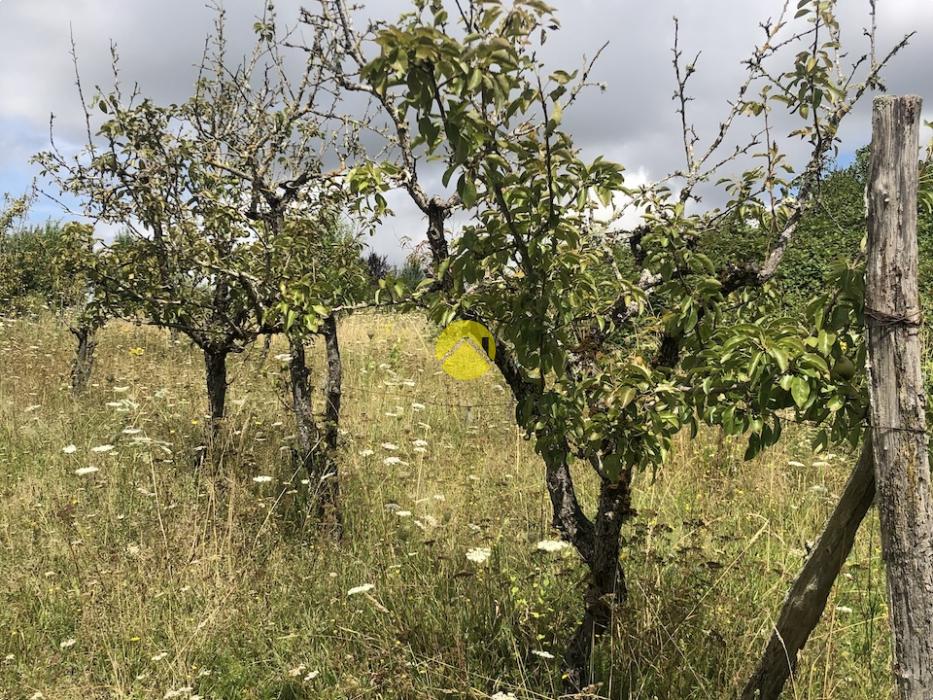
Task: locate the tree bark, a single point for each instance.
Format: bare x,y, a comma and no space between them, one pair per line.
300,384
897,401
606,585
317,443
215,365
806,599
567,516
83,362
333,383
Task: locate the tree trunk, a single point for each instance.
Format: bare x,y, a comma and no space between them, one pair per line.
567,516
308,435
333,383
438,211
606,585
83,362
317,443
897,402
807,597
329,482
215,365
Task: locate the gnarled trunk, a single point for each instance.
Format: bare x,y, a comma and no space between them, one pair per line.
606,585
317,443
333,383
83,363
300,384
215,365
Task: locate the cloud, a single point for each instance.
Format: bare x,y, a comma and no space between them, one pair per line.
633,121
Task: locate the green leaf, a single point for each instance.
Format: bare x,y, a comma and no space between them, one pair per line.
467,191
626,396
612,466
781,357
800,391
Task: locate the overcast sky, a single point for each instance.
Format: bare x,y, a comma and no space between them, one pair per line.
632,122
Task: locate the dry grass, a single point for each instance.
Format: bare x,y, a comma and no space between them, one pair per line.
177,582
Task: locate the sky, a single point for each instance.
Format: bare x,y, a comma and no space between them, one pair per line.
633,121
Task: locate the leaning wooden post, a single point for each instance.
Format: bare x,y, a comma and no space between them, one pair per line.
805,601
898,422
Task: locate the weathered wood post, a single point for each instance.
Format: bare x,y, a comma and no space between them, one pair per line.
805,601
898,422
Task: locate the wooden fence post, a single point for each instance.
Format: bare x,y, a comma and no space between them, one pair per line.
898,421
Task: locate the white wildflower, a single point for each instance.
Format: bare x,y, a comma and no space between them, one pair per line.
84,471
389,446
102,448
843,609
403,513
366,453
311,676
131,431
262,479
392,461
283,357
415,406
420,443
478,555
67,643
161,655
356,590
542,654
69,449
552,545
794,463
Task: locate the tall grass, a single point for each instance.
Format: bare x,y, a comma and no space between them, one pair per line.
153,578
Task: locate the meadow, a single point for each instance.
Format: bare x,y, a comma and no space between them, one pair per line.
133,566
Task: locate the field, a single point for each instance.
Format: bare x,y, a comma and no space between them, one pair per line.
153,578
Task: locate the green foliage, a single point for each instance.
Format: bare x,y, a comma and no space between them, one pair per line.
761,367
528,264
34,267
318,268
232,226
615,347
